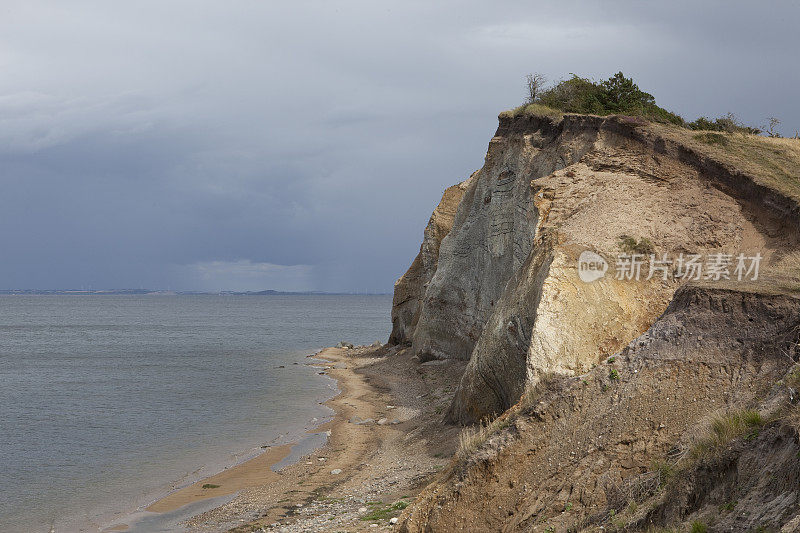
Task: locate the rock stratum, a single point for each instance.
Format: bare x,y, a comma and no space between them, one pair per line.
611,393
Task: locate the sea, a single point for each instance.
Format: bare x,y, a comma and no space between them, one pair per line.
108,402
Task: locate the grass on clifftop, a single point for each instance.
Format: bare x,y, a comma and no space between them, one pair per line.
773,161
533,110
617,95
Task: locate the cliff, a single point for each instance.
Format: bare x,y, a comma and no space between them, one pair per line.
600,396
694,421
501,289
410,289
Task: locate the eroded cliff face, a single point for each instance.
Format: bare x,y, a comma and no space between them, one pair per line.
492,236
410,289
625,446
504,291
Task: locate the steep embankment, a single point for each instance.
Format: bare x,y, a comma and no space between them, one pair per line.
503,291
409,290
693,421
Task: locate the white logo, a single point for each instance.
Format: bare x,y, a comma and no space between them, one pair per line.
591,266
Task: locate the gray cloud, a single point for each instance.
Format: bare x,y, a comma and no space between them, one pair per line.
155,143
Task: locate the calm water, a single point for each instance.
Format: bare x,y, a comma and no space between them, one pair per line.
108,401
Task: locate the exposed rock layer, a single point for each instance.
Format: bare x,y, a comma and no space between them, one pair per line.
410,288
584,451
502,289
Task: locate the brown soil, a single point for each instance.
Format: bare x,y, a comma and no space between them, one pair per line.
585,452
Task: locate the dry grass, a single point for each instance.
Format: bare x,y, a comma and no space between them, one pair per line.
787,266
472,437
724,429
536,110
773,162
786,272
533,392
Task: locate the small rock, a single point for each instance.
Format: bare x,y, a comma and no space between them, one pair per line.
362,510
393,520
336,471
382,422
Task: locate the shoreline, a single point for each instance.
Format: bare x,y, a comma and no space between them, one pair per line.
256,470
375,457
378,456
264,468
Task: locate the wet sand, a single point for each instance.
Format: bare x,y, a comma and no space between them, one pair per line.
250,473
376,450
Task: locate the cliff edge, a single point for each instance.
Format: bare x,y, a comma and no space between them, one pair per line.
497,281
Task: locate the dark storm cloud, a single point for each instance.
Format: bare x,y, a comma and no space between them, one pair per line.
302,145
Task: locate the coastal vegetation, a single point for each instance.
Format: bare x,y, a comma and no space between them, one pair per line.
620,95
724,429
383,511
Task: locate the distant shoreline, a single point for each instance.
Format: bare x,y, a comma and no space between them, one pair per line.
148,292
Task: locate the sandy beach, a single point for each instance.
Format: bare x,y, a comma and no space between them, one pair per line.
377,457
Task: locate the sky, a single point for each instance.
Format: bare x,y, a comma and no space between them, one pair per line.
249,145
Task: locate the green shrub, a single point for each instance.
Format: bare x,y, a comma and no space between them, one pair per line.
384,512
703,124
711,138
699,527
664,471
727,123
630,245
210,486
728,506
616,95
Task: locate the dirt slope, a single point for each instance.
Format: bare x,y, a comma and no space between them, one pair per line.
587,451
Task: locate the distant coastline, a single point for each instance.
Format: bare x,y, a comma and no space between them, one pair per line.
139,292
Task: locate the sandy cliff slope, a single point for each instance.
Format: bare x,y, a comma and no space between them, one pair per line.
504,291
663,401
647,439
